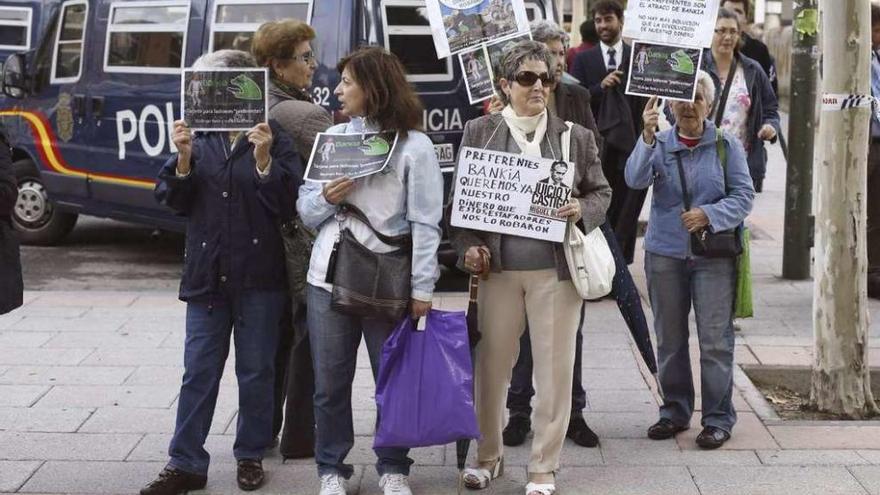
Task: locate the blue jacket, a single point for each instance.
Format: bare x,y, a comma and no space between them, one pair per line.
233,242
657,165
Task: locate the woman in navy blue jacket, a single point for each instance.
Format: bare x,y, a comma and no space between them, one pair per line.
235,189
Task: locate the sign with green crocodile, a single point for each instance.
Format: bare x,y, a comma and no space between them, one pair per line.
224,99
349,155
665,71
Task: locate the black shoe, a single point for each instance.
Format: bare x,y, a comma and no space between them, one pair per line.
712,437
580,433
663,429
250,474
174,482
515,432
874,286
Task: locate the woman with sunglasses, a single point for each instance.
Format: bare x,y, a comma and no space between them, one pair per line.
530,278
284,47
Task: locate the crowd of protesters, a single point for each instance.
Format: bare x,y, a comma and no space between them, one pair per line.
260,244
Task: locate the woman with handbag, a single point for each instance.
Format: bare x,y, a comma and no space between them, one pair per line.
389,219
530,278
11,287
702,194
284,47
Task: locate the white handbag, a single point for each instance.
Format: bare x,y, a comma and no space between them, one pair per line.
589,258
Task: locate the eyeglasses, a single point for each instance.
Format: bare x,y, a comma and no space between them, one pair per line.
727,32
528,78
307,57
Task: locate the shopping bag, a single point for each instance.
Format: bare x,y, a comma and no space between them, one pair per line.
743,303
424,392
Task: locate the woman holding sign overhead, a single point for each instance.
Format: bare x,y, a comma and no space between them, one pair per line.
401,202
530,280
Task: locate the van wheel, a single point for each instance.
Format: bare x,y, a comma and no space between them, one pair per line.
35,215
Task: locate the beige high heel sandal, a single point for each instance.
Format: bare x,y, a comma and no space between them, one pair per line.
478,478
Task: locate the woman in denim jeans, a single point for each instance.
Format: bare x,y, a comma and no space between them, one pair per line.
406,197
677,278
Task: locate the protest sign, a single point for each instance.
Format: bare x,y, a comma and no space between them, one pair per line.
511,194
496,51
457,25
672,22
223,99
349,155
664,71
479,79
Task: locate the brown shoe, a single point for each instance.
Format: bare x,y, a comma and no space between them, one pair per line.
663,429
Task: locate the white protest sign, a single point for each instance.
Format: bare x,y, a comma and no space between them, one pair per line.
688,23
511,194
457,25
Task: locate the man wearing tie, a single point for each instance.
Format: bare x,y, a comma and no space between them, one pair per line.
874,165
603,70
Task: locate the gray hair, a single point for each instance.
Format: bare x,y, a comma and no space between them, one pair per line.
519,53
546,31
230,59
706,85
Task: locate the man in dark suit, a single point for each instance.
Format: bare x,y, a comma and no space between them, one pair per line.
753,48
603,71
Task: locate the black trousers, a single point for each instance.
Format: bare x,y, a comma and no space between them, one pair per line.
294,417
873,200
626,204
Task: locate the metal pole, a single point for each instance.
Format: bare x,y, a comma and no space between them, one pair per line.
801,132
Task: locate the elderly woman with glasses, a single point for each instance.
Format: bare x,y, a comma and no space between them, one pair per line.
530,279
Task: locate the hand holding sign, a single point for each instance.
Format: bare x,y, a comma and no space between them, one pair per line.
651,118
571,211
261,137
336,190
612,79
182,139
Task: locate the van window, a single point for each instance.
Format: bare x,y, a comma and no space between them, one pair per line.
15,28
534,12
234,22
69,40
146,37
408,35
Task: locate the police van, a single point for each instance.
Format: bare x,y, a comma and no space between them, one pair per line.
92,88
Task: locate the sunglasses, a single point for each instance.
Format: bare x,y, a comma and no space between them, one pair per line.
528,78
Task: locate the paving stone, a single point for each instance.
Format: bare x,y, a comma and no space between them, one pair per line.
51,324
748,434
45,357
444,481
362,453
613,379
154,447
54,420
107,340
75,298
783,355
283,479
132,420
21,395
94,396
811,457
65,375
156,375
66,446
868,476
9,319
625,480
619,339
363,399
13,474
92,477
775,480
872,456
620,424
645,452
826,437
52,311
608,358
23,340
621,401
135,357
743,355
572,455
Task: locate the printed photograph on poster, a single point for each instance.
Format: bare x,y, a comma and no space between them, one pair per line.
223,99
672,22
457,25
479,79
511,194
349,155
665,71
496,50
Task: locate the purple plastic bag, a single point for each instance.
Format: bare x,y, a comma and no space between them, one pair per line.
425,389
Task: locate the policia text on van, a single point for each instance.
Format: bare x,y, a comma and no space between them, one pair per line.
89,107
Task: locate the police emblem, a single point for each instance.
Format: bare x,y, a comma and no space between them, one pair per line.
64,117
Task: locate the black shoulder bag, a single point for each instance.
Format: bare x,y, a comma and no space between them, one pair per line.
724,244
366,283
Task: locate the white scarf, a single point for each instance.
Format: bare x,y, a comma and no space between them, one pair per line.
520,127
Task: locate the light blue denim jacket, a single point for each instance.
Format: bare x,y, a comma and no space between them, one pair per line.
657,165
405,197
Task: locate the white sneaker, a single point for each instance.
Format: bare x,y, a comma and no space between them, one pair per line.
332,484
395,484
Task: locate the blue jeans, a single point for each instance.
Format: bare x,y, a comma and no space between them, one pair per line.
255,317
335,338
709,284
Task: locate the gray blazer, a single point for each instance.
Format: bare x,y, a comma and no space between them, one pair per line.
590,187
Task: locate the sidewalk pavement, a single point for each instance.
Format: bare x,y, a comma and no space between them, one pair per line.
89,383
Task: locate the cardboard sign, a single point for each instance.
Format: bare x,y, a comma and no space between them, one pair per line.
457,25
688,23
479,79
663,70
349,155
511,194
224,99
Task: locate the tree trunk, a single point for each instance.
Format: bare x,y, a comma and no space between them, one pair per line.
841,381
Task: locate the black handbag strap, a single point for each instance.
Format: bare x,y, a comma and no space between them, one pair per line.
725,92
402,241
684,188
